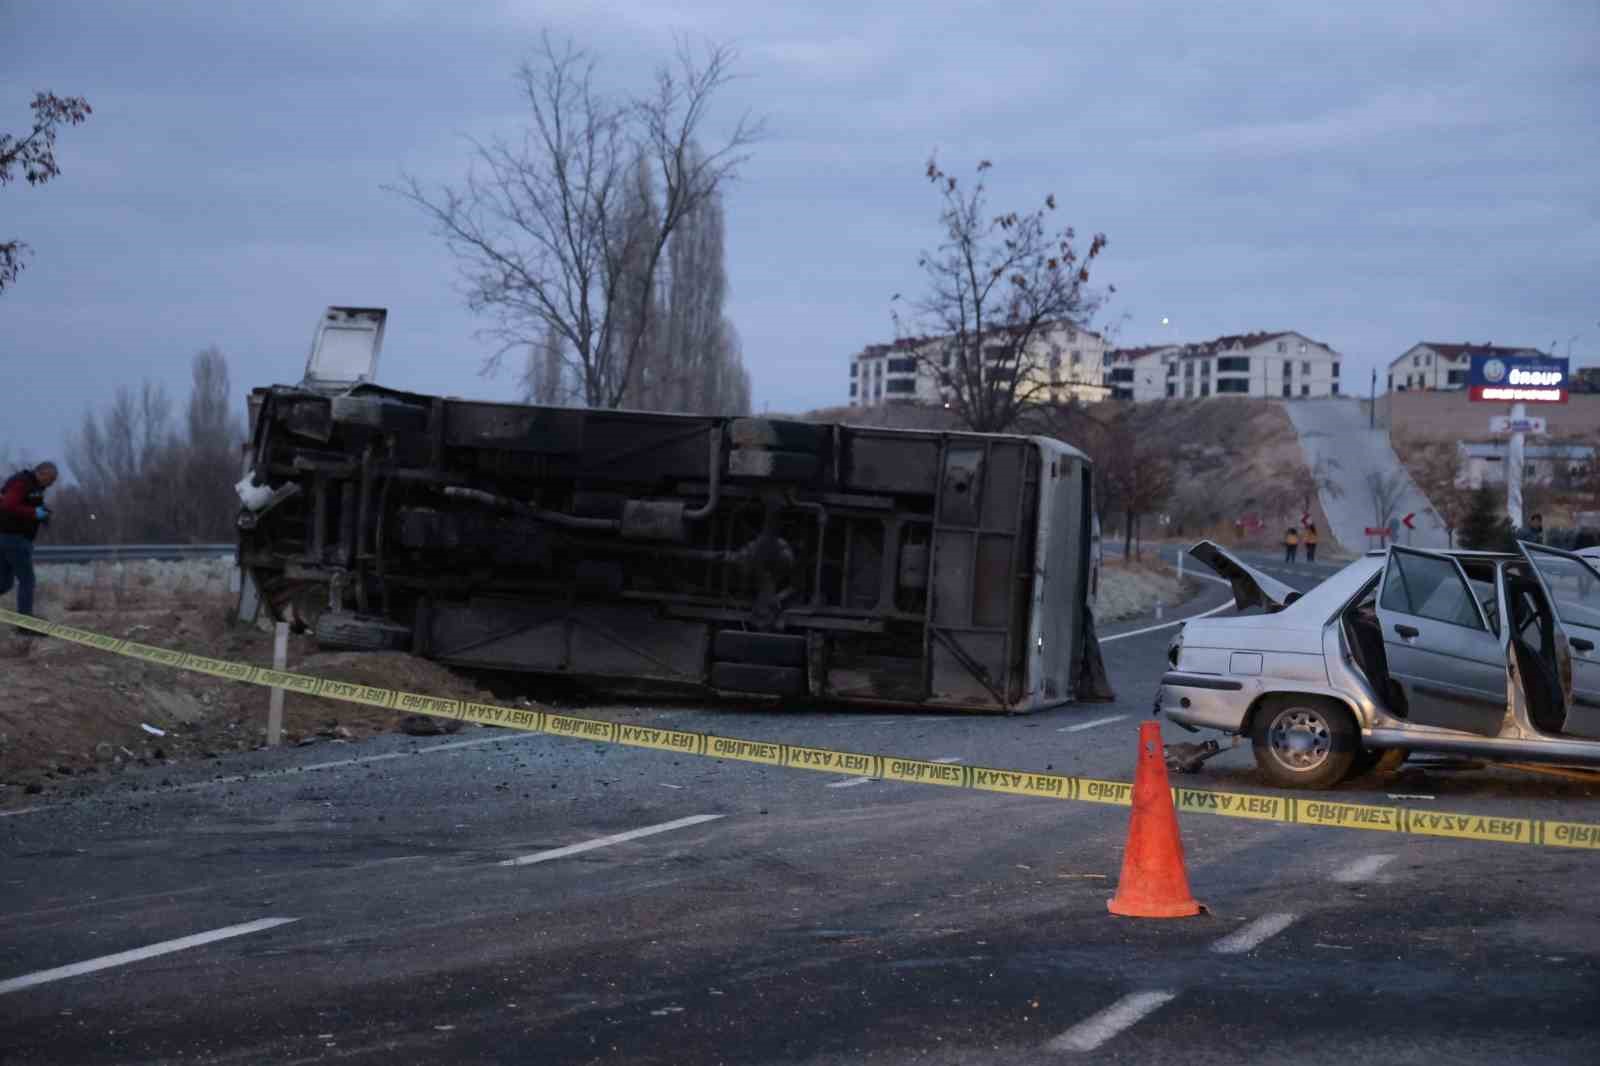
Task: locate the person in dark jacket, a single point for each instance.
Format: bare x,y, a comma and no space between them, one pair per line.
22,512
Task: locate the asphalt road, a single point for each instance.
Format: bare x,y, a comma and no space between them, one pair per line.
1336,430
363,909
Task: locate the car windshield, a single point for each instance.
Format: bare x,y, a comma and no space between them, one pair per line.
1573,584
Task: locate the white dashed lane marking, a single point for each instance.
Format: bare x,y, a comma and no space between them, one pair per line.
615,838
1097,1029
1091,724
1253,935
1363,869
123,958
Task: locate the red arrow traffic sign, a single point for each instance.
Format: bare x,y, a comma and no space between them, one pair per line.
1406,521
1305,519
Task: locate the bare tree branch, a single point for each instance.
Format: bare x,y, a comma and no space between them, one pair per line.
35,154
998,288
550,232
1385,490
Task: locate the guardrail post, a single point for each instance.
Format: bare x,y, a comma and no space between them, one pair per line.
280,660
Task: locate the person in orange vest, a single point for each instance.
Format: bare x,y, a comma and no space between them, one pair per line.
1291,544
1310,541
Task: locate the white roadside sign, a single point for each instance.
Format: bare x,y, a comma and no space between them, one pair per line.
1507,424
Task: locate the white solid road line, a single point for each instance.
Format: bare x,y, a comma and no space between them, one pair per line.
360,760
1096,1030
1363,869
1168,625
1092,723
1253,935
617,838
122,958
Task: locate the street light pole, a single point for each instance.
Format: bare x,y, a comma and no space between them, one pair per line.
1372,406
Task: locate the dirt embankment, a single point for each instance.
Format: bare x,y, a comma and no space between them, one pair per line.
72,711
1129,588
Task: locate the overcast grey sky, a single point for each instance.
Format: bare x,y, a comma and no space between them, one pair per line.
1370,174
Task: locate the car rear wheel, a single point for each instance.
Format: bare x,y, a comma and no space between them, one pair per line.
1304,742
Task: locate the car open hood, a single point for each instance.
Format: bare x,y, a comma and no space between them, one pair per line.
1251,587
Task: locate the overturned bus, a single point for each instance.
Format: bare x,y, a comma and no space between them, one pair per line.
727,555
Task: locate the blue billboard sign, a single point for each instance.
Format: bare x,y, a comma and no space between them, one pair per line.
1518,379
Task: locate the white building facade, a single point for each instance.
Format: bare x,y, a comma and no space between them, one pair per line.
1431,365
1483,462
1065,361
1285,365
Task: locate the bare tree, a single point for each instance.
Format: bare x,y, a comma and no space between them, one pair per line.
1384,490
699,364
728,382
1436,467
544,380
541,227
141,480
208,461
998,287
35,154
1136,475
118,458
1293,486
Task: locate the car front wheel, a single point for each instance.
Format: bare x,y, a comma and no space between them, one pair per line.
1304,742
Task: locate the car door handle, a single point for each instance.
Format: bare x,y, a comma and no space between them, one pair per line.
1408,632
1581,644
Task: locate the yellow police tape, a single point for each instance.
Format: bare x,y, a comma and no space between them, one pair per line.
1291,809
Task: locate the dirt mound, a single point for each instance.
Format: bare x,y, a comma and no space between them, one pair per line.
72,711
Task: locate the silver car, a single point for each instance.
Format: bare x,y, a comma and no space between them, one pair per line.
1485,654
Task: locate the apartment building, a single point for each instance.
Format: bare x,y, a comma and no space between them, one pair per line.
1139,374
1430,365
1285,365
1065,362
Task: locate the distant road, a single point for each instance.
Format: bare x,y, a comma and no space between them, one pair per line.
1337,429
89,553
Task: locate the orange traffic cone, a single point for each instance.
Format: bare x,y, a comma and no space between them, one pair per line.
1153,883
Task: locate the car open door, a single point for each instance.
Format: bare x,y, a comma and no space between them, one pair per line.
1251,587
1441,650
1572,585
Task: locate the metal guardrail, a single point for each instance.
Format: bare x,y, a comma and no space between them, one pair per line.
91,553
